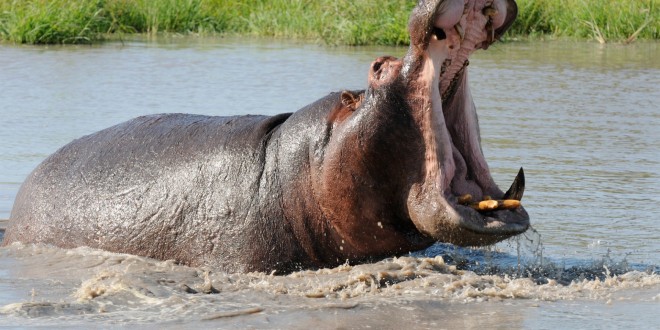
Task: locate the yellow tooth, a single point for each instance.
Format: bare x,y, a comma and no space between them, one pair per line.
509,204
465,199
460,31
488,205
487,197
491,205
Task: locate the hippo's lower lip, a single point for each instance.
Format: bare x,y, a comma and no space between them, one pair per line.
503,222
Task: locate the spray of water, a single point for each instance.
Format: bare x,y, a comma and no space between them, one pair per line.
523,257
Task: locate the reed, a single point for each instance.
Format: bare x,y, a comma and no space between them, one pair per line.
352,22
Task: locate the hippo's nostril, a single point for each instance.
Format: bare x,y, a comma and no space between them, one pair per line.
376,66
440,33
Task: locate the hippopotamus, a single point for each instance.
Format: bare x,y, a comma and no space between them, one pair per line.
354,176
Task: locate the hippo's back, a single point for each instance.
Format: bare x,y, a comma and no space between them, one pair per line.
148,186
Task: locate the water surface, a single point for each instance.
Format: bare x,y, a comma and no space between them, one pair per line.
582,119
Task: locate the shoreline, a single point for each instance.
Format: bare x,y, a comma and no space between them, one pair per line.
340,22
196,37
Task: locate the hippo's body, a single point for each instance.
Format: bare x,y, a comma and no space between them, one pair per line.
352,176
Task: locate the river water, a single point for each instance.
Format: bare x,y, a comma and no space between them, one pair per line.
582,119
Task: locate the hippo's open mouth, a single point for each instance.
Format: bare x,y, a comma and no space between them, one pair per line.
456,170
469,187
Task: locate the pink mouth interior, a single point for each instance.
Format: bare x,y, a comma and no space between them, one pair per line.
463,165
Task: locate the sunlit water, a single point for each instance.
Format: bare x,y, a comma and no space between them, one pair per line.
582,120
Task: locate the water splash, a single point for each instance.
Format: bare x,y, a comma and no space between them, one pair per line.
528,261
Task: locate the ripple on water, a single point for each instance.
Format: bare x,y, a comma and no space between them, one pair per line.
111,287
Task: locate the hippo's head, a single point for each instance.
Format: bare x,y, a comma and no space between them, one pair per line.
405,156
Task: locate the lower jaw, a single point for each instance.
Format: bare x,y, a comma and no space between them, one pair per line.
490,227
465,237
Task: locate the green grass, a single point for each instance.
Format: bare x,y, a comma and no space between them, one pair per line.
351,22
42,22
602,20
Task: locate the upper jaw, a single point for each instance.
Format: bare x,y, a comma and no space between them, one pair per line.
476,23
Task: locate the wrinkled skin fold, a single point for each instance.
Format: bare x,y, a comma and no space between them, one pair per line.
356,175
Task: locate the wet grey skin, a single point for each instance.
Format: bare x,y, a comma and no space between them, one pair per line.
356,175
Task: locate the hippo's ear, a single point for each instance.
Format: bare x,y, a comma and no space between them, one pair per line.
348,102
351,100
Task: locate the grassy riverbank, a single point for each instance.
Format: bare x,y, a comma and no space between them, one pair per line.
353,22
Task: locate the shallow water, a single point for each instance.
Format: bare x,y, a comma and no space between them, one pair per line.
581,118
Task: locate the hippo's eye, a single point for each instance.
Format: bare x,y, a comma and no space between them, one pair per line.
439,33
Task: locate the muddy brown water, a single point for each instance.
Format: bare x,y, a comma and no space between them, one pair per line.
581,118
